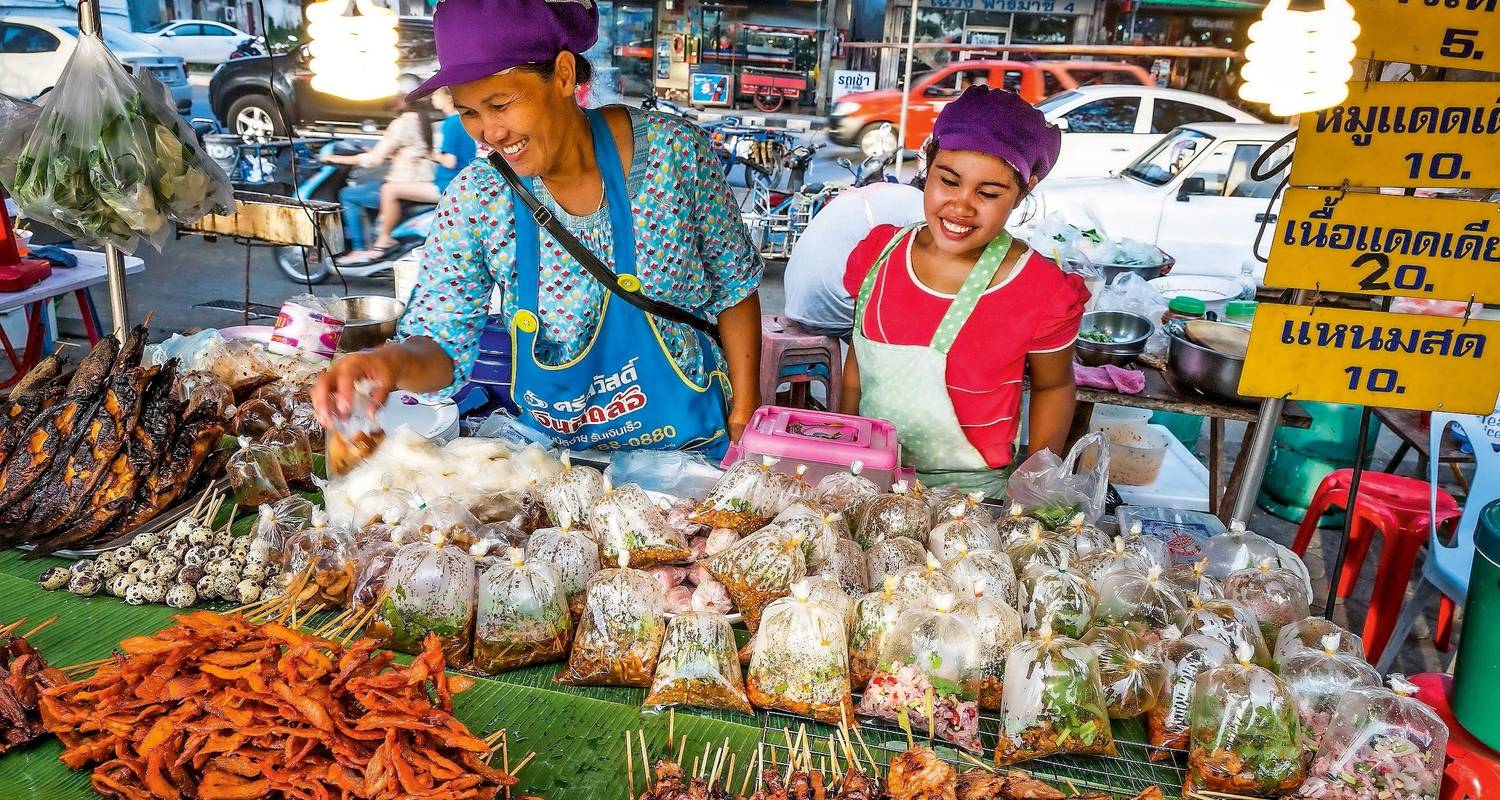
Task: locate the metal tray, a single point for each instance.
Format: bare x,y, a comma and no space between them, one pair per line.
161,521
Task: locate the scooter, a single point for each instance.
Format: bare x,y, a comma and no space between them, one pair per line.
312,265
872,169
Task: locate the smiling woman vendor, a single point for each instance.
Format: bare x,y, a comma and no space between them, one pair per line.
572,199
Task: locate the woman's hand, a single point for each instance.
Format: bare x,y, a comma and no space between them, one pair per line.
738,419
333,394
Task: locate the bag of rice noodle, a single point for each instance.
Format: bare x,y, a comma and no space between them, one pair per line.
1086,538
998,626
841,491
821,529
575,556
1184,658
698,665
1193,579
1244,736
1143,602
1381,744
991,566
1307,634
1059,599
961,532
1052,701
571,493
429,588
758,569
921,582
522,616
1041,547
800,660
929,674
1132,675
627,522
1227,621
619,637
1274,595
744,498
875,617
900,513
1318,678
890,556
847,567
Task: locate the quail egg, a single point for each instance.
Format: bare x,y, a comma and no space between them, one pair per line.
137,566
223,539
201,536
117,585
146,541
166,565
218,553
153,592
254,570
158,552
55,578
205,587
233,564
181,596
272,590
195,556
125,555
189,574
177,541
135,595
225,586
147,575
106,568
247,591
85,585
82,567
259,548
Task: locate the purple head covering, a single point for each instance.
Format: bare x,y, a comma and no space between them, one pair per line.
478,38
1003,125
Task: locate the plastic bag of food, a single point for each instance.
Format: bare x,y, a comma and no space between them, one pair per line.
1132,675
820,528
929,673
924,580
354,437
318,563
847,567
1086,538
575,556
745,498
1307,634
521,617
992,567
1144,603
1016,526
1244,736
1381,744
792,488
961,533
255,475
619,637
800,660
1193,579
1099,564
429,588
1048,486
759,569
824,589
276,522
891,556
1150,548
371,563
885,516
292,449
1042,547
627,522
841,491
1318,678
382,503
445,517
1274,595
674,472
875,616
1184,658
942,500
998,626
698,665
1236,549
571,493
1059,598
1053,701
1227,621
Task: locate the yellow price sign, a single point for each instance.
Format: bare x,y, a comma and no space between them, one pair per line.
1373,358
1403,134
1460,33
1387,244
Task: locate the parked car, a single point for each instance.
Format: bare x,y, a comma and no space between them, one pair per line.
258,100
1106,127
34,50
198,41
1191,194
857,117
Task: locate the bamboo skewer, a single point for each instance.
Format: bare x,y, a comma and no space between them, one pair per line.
39,628
680,749
630,766
694,773
5,631
524,762
745,782
875,767
645,756
705,759
729,773
672,724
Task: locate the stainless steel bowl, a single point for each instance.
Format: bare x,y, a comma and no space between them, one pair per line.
1209,371
369,320
1130,332
1111,271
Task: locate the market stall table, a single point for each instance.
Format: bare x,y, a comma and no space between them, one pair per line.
39,327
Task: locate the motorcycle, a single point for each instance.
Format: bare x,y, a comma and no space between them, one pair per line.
246,49
872,168
311,265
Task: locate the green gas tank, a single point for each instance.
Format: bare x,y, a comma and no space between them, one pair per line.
1302,458
1476,678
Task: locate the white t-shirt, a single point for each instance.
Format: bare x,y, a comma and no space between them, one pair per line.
814,281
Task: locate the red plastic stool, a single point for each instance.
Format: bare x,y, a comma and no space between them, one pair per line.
784,342
1395,507
1473,770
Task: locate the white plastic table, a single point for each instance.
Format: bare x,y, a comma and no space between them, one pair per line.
40,325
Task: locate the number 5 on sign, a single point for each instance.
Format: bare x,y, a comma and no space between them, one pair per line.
1442,34
1372,358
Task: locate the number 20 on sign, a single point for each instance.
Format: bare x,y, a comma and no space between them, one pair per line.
1372,358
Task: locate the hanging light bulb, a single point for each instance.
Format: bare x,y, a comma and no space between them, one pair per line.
1299,61
353,56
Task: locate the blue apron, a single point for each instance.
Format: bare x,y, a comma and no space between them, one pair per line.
625,390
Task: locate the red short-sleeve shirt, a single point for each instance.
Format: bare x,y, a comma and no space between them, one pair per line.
1036,309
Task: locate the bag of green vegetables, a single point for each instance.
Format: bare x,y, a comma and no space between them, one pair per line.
1052,701
1244,735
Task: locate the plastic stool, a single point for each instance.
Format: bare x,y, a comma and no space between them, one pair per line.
1395,507
1473,770
783,343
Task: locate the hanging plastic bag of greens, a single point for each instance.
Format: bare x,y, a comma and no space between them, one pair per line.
1274,595
1193,579
255,475
800,660
875,617
1307,634
429,588
824,589
1133,677
1086,538
1016,526
1144,603
744,499
900,513
292,449
1244,736
847,567
1381,744
961,532
759,569
890,556
991,566
627,522
1050,489
920,582
1059,599
1184,658
1318,678
698,665
820,528
1053,701
619,638
1227,621
1042,547
383,501
522,615
571,493
575,556
998,627
841,491
929,674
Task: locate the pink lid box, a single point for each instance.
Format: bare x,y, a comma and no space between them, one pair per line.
826,442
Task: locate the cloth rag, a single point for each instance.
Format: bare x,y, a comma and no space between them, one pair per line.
1109,376
54,255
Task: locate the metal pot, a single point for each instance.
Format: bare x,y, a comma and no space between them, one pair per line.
1209,371
1130,332
369,320
1147,272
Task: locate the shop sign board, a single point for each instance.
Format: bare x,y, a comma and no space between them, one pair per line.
1387,245
1406,134
848,81
1076,7
1442,33
710,89
1373,358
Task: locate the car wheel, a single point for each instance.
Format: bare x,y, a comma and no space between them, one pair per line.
303,269
875,139
255,118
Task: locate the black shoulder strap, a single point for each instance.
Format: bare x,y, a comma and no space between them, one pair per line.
546,220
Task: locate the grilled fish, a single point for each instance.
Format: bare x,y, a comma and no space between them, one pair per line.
26,399
192,444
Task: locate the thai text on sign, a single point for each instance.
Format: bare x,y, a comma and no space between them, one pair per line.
1387,245
1373,358
1403,134
1441,33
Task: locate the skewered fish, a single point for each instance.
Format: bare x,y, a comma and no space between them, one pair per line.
26,398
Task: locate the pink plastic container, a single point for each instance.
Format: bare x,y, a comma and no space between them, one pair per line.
825,442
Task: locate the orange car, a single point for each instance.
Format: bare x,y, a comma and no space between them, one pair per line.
857,117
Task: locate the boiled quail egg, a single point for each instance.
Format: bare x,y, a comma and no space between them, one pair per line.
254,570
247,591
205,587
225,585
233,564
106,568
260,548
218,553
153,592
167,565
201,536
125,555
138,566
85,585
272,590
82,567
135,595
147,575
181,596
117,585
146,541
223,539
195,556
189,574
55,578
185,526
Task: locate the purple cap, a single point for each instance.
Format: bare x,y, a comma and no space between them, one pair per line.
1003,125
478,38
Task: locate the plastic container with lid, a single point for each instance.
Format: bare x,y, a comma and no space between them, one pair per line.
825,442
1184,307
1138,464
1240,311
1120,423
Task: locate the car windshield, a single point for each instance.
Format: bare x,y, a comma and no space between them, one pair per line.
1055,101
119,41
157,27
1168,157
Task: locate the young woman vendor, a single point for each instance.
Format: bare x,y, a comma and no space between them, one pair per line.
952,313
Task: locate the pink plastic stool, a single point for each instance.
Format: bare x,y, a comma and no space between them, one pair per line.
784,342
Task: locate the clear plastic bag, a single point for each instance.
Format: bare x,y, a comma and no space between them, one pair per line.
961,533
1132,676
759,569
1244,736
875,617
899,513
698,665
355,436
371,563
1086,538
1227,621
575,556
1381,744
445,517
1130,292
920,582
1145,603
320,560
800,660
824,589
571,493
1149,548
1053,701
1274,595
429,588
1100,564
1058,599
998,626
292,449
820,528
619,638
1193,579
1016,526
521,617
929,667
255,475
991,567
1307,634
841,491
847,567
627,522
1184,658
276,522
1050,489
891,556
382,503
1043,548
1236,549
1318,678
942,500
792,488
673,472
745,498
